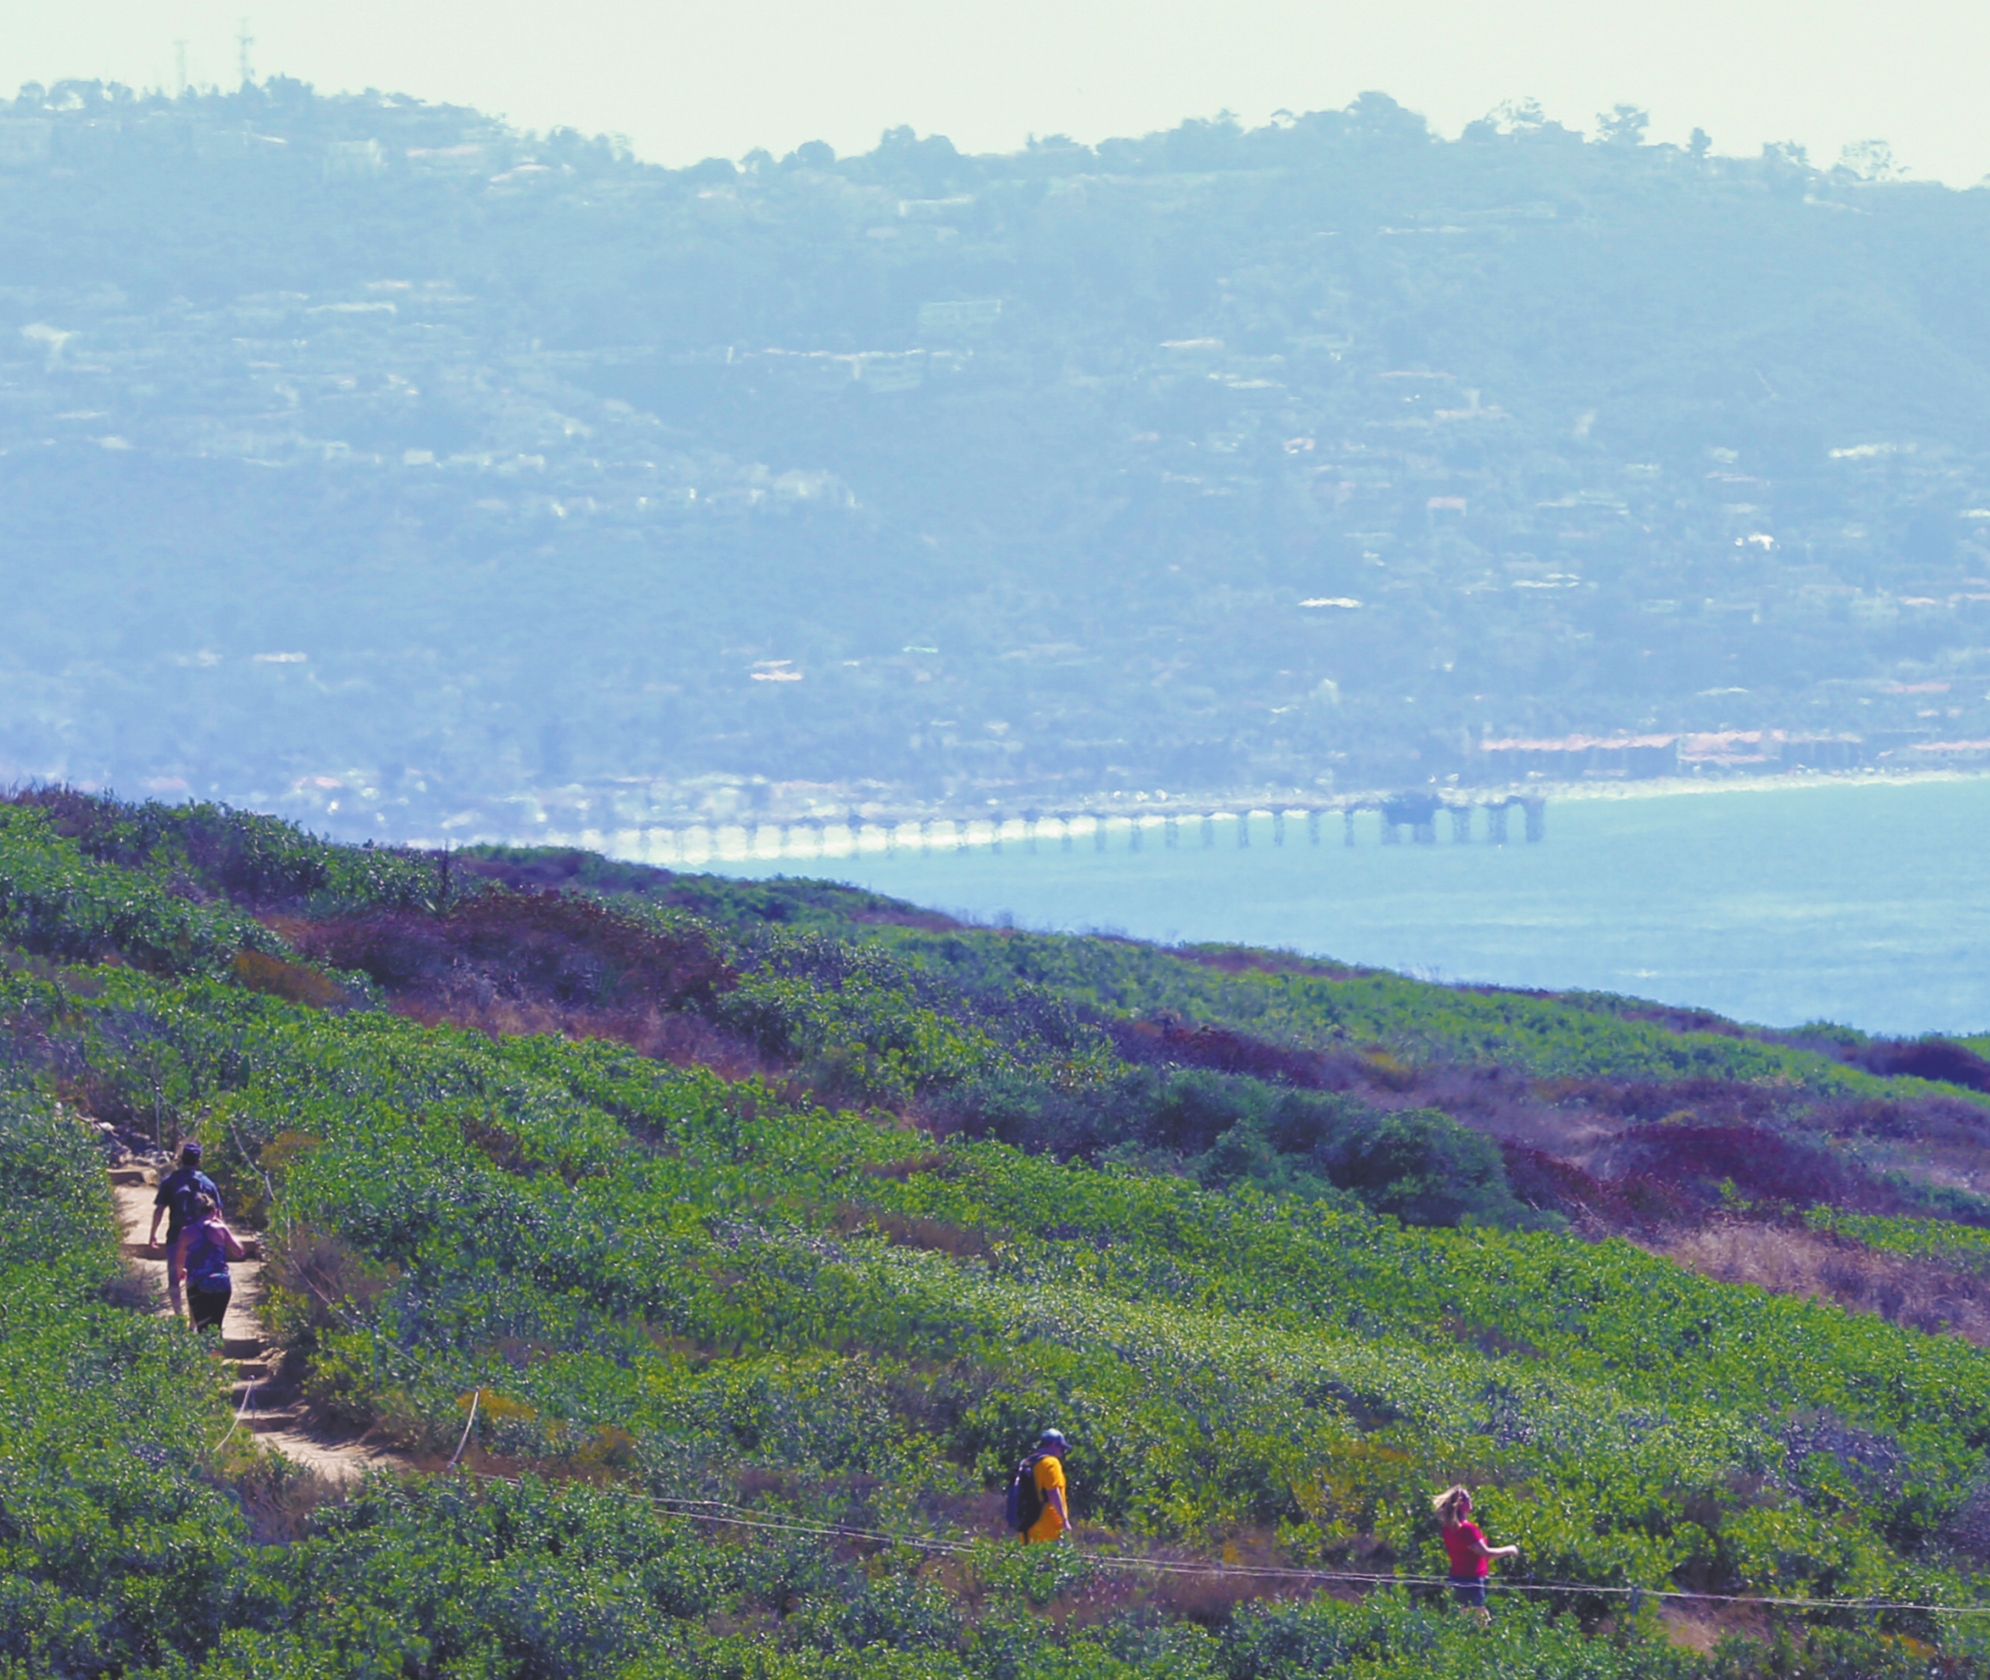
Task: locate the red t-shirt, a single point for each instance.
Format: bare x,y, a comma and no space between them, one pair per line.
1461,1545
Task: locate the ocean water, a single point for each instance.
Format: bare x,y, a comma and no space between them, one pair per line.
1863,903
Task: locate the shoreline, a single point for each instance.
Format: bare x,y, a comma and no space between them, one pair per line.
689,840
1666,787
1868,909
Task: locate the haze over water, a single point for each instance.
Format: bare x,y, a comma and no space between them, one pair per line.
1867,904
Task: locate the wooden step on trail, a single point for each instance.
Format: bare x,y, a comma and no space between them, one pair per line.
269,1408
259,1375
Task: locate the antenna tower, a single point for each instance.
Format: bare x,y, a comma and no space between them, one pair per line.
243,42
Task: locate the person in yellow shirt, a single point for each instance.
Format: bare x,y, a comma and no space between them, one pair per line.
1050,1488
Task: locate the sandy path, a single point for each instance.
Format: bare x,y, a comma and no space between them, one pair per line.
268,1410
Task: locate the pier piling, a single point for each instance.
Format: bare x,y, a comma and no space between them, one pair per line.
1413,816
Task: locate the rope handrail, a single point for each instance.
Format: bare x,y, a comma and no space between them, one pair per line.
747,1517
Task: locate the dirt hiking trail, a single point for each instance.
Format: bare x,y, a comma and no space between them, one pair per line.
271,1411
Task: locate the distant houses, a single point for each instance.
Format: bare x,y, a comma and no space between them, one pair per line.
958,318
1637,757
355,160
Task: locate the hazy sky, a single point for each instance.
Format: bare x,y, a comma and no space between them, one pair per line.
689,80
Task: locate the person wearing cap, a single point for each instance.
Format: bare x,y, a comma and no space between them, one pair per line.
175,1200
1055,1520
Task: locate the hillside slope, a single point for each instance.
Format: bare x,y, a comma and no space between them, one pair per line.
739,1237
373,461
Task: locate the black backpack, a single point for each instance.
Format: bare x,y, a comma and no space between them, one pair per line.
1025,1502
181,1203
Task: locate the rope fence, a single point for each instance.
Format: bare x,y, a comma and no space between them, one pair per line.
746,1517
717,1511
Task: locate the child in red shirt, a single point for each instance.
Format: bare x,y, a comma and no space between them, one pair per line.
1464,1544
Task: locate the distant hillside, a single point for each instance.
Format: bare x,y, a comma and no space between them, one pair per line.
701,1257
374,461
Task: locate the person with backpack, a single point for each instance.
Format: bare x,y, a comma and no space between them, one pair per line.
175,1199
1039,1504
1466,1549
206,1246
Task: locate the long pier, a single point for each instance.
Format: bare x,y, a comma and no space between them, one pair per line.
1415,818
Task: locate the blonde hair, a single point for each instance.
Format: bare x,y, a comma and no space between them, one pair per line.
1447,1505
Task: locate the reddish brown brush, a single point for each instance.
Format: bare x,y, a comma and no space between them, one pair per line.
1634,1157
1936,1059
1597,1207
1725,1102
930,1161
1168,1039
261,972
905,1231
509,964
537,948
1760,1165
683,1040
1241,959
74,814
551,869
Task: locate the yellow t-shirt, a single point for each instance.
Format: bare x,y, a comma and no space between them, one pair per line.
1049,1474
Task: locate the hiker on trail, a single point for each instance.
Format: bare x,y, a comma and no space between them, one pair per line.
175,1199
1464,1544
206,1246
1039,1508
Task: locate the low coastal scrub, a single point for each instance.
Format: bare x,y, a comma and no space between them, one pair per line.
735,1292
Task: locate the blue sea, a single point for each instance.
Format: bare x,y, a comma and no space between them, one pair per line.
1862,903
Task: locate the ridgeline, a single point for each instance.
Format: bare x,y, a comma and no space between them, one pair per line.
379,464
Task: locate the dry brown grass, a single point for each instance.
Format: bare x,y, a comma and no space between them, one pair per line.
936,1236
261,972
931,1161
681,1039
1700,1627
280,1498
1191,1587
1788,1260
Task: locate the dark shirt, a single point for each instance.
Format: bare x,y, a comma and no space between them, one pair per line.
207,1256
176,1193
